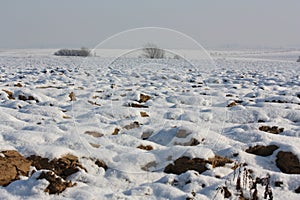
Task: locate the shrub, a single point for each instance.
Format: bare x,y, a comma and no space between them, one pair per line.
84,52
153,52
176,57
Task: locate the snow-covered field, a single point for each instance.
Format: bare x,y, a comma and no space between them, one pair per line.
94,109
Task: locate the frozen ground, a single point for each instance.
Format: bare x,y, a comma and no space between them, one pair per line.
262,87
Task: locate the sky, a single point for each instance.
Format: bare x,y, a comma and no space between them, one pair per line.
223,23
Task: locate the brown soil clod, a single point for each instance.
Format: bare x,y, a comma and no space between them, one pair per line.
144,98
10,95
136,105
184,164
94,133
273,129
94,103
49,86
145,147
101,163
219,161
116,131
144,114
12,165
288,162
72,96
94,145
27,98
232,104
18,85
56,184
63,167
262,150
276,101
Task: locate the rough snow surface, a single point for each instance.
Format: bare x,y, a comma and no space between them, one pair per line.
186,102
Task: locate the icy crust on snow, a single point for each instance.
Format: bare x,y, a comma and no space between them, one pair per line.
221,107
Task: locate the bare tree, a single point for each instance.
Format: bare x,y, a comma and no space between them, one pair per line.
152,51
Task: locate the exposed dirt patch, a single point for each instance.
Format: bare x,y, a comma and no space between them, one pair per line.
12,165
262,150
18,85
281,101
144,114
232,104
10,95
273,129
72,96
132,125
94,103
276,101
116,131
49,86
101,163
288,162
94,133
27,98
62,167
145,147
219,161
56,184
184,164
136,105
94,145
144,98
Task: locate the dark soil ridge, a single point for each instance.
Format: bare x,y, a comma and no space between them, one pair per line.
184,164
262,150
13,165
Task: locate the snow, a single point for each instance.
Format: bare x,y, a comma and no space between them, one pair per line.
183,97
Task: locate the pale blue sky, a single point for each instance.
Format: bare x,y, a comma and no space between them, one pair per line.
74,23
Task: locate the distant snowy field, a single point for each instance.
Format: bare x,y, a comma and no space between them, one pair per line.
221,106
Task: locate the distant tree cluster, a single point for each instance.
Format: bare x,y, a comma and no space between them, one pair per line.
153,52
84,52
